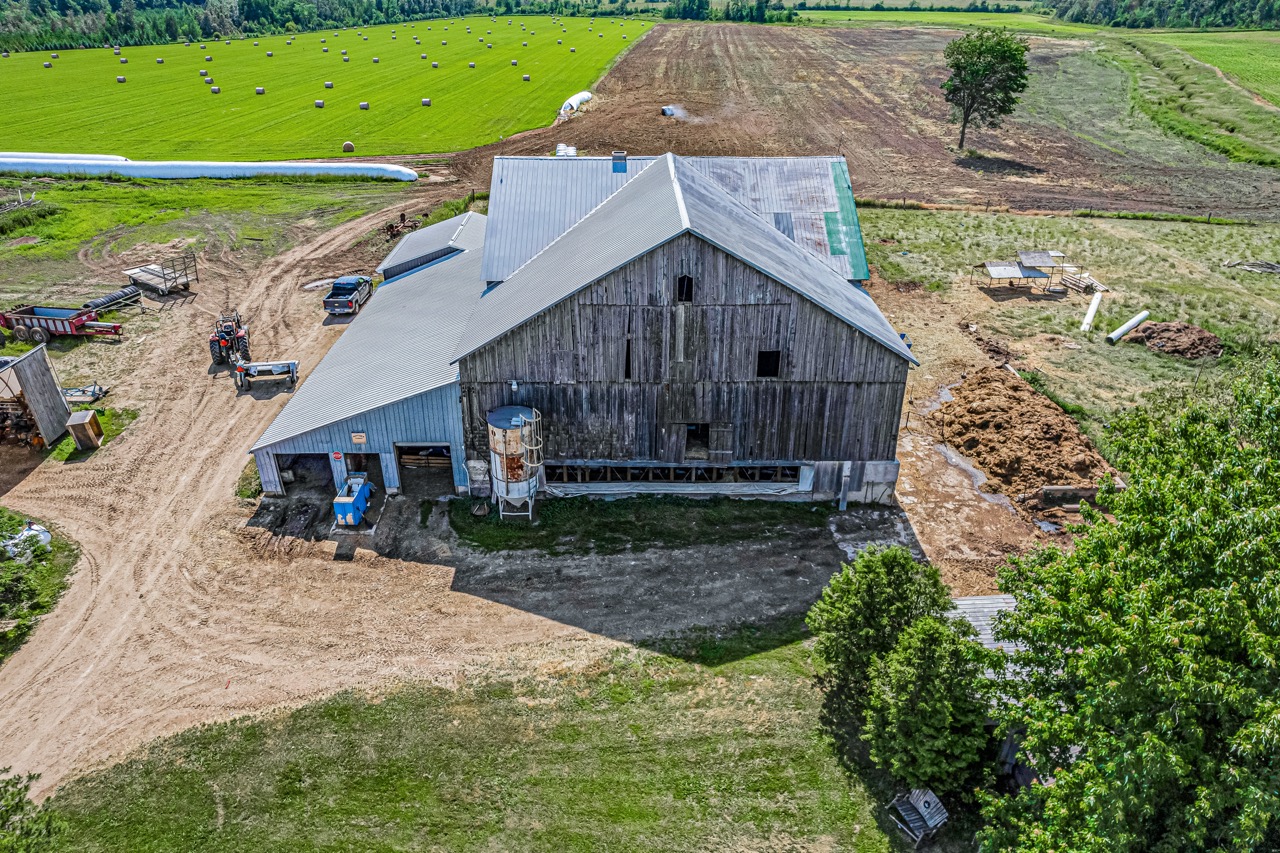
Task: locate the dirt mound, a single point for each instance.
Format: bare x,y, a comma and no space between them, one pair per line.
1016,436
1182,339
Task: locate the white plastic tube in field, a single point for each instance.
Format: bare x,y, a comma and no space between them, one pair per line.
1092,312
185,169
1128,327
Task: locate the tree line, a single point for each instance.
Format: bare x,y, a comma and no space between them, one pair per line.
67,24
1140,14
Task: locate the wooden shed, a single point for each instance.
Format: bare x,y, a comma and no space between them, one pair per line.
33,410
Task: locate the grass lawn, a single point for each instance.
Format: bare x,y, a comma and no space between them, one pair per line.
1173,269
585,526
167,112
46,577
1251,58
645,751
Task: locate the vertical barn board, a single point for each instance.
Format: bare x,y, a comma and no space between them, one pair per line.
390,472
42,392
838,395
339,469
268,472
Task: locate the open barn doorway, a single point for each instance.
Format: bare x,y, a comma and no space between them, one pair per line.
426,468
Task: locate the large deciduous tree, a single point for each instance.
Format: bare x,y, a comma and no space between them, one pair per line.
860,615
988,73
24,826
1148,682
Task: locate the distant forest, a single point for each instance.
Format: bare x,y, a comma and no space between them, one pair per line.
55,24
1169,13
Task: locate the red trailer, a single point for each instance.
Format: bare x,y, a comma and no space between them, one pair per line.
38,325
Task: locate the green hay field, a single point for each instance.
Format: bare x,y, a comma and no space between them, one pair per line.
167,112
1252,59
1020,21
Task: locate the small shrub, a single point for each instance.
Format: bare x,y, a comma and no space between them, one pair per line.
249,486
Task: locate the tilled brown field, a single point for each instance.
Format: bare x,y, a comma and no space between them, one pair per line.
873,95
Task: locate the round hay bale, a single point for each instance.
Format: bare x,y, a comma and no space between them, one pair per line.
4,54
435,65
513,62
208,81
328,84
53,56
366,38
255,44
375,60
216,90
443,43
348,147
471,65
393,38
228,42
424,56
208,59
489,45
269,53
346,59
48,65
322,41
202,47
260,91
482,39
524,44
116,52
364,105
119,79
526,78
186,44
573,50
426,102
602,35
344,53
559,41
324,50
319,105
624,38
124,60
159,61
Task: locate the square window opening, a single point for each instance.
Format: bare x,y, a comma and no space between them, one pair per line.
768,363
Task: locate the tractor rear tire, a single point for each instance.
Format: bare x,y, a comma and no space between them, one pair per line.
215,352
243,346
3,341
21,332
39,335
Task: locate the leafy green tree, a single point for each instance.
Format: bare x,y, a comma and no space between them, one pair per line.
863,609
1148,684
988,72
926,711
24,826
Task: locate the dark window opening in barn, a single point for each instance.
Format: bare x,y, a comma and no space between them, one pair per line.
684,288
626,365
768,363
697,441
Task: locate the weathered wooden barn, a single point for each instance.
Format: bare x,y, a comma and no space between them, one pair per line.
683,325
674,340
33,409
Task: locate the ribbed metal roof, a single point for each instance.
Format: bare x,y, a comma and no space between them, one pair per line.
667,199
980,611
460,232
1040,259
1010,269
533,200
400,345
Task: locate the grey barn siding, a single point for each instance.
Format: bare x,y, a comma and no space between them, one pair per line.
43,394
434,417
837,397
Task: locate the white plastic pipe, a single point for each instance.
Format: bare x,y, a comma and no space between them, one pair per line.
1128,327
1092,312
199,169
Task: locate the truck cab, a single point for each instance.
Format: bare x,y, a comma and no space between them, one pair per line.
348,293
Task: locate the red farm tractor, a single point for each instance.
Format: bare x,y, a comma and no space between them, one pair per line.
229,343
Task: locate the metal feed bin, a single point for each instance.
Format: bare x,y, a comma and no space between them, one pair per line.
515,458
85,429
351,503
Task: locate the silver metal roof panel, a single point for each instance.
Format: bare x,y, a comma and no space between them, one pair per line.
400,345
461,232
980,611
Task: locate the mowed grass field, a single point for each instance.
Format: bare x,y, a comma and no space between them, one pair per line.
1020,21
1252,59
167,112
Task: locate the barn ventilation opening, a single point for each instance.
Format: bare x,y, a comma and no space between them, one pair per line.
768,363
697,441
684,288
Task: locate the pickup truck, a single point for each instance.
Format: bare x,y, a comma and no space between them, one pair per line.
348,294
